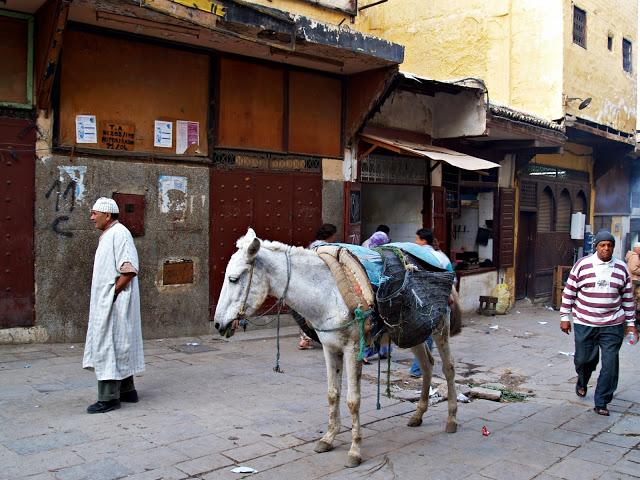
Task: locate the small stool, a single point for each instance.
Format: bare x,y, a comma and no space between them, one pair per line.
487,305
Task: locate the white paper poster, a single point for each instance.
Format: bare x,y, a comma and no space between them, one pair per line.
187,134
163,134
86,130
172,193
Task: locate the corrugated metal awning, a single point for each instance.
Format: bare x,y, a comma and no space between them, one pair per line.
440,154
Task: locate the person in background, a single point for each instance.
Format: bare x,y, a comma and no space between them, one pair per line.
379,237
599,297
325,234
113,348
425,238
633,264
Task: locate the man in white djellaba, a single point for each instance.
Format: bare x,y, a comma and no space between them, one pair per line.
113,348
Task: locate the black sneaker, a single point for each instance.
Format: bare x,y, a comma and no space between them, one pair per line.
103,407
129,397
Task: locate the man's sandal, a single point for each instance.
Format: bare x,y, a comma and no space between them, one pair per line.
581,391
601,411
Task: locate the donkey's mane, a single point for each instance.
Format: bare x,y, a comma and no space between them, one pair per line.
273,246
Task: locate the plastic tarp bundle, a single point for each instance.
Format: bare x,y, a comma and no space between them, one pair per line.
411,302
371,260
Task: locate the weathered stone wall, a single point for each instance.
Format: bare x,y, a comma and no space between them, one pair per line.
176,227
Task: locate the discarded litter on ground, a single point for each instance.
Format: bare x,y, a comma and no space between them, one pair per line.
542,323
242,469
462,398
494,327
485,431
567,354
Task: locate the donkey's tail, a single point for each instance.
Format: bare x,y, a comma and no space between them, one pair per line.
455,323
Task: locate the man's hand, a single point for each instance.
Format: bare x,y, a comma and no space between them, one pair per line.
565,326
631,328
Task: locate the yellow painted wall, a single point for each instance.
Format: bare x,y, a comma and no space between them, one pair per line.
597,72
522,49
511,44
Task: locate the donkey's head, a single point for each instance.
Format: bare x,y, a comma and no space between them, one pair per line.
245,285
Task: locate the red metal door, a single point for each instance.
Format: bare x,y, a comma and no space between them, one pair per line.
272,206
17,191
307,208
286,207
230,214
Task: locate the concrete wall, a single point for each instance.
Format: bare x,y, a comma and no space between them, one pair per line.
397,206
473,286
597,72
513,45
333,194
66,240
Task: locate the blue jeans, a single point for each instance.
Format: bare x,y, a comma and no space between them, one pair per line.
370,351
415,366
591,344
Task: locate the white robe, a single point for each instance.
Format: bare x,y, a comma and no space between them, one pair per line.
113,348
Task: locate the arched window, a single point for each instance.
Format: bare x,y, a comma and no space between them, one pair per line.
582,205
563,215
545,211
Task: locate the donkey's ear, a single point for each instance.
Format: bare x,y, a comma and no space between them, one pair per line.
252,250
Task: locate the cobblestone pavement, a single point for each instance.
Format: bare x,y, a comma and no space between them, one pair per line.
209,407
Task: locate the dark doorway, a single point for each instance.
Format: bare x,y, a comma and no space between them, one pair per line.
526,255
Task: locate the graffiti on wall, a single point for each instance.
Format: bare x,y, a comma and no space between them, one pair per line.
66,190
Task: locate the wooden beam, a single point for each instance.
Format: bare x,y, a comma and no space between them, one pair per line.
49,64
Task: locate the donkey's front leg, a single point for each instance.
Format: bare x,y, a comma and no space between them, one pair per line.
442,341
333,359
354,374
423,355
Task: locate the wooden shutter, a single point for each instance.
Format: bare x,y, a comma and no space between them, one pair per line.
545,211
504,224
563,215
440,217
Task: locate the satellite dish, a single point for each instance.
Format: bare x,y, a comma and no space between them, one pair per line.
585,103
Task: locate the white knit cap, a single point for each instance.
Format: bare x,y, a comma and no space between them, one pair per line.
106,205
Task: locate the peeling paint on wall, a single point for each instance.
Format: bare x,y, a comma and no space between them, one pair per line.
172,194
76,174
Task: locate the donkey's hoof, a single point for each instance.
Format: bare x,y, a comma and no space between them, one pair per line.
353,461
451,427
414,422
322,447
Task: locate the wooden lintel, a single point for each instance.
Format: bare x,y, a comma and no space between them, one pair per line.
49,64
368,151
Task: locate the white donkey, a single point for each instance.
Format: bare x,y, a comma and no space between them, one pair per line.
300,278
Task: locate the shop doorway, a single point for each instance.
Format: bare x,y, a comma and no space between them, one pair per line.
525,263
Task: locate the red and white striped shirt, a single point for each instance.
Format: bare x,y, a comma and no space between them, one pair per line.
598,293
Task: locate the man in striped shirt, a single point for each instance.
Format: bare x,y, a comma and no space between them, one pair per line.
599,296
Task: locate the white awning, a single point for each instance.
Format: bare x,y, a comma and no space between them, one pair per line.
440,154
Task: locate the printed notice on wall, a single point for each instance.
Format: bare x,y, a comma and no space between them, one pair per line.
163,134
86,130
115,136
187,136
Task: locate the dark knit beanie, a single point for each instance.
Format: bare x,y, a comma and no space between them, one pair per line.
604,236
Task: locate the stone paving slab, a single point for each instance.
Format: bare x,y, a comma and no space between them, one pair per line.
204,410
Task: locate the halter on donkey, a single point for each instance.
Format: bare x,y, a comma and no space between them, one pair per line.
295,276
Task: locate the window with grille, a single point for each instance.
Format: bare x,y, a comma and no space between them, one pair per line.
579,27
626,55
